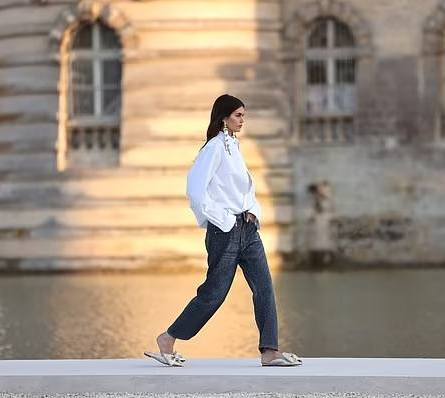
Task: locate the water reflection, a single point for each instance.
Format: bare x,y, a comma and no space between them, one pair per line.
377,313
384,313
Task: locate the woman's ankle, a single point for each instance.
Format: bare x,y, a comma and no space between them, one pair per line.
268,351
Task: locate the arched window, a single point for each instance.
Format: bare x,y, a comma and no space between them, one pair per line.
330,83
94,97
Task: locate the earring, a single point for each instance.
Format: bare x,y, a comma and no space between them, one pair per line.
225,128
226,137
236,138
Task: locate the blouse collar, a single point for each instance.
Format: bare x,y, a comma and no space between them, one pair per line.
228,141
232,138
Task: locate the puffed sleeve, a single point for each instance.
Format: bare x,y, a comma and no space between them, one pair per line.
198,179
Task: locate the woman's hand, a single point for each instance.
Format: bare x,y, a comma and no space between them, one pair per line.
251,217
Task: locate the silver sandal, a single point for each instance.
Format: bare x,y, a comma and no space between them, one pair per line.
174,359
290,359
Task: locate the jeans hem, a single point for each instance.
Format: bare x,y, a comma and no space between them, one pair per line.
172,334
270,348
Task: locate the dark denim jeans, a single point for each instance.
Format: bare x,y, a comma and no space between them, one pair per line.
241,245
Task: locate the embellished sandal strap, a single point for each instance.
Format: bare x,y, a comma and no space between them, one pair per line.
178,356
290,356
174,359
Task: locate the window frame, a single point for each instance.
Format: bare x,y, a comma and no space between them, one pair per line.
347,91
96,124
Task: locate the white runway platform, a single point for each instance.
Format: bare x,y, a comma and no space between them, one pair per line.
367,375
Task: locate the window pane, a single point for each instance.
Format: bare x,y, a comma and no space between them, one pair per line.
108,38
344,97
82,72
317,100
83,101
83,38
112,72
345,70
111,101
343,35
319,35
316,72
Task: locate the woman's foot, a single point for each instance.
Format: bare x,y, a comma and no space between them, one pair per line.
269,355
165,343
166,355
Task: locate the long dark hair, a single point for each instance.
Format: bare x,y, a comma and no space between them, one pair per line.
223,106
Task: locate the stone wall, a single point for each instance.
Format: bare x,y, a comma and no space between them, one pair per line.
388,184
387,202
177,58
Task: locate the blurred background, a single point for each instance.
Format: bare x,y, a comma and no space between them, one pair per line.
104,105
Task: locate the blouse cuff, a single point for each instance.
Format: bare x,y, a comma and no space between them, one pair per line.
219,216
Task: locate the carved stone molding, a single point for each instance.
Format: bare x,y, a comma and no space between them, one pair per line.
298,24
91,10
434,31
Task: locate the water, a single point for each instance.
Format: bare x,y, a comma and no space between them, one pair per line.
368,313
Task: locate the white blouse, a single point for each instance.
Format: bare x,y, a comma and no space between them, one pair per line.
219,185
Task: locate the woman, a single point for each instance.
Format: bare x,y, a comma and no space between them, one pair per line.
222,197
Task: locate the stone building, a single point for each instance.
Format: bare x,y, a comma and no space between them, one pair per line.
105,103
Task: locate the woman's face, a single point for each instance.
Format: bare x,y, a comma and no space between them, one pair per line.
236,119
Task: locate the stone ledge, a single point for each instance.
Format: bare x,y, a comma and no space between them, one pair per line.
316,375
